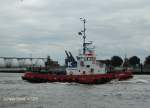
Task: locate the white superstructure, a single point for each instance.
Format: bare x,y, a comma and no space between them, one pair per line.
86,60
86,63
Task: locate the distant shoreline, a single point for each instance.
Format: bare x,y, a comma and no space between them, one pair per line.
141,73
12,70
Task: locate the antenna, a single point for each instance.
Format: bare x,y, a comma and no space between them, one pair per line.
83,33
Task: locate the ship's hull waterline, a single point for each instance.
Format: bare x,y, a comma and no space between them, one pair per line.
83,79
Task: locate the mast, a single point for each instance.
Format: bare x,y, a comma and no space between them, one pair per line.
83,33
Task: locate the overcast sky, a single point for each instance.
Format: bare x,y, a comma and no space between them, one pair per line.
48,27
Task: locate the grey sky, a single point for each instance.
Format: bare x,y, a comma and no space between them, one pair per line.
48,27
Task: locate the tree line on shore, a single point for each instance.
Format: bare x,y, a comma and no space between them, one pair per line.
134,62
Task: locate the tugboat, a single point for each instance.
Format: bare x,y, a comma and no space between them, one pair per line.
85,69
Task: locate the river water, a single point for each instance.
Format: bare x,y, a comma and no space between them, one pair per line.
16,93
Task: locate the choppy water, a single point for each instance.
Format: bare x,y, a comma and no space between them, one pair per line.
133,93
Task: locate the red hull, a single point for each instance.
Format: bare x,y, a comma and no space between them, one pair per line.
84,79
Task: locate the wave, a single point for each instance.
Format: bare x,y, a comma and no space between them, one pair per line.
131,81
